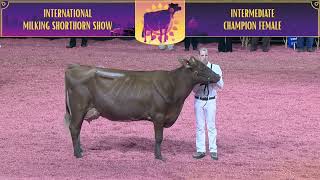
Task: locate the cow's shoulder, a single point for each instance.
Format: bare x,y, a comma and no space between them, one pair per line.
164,85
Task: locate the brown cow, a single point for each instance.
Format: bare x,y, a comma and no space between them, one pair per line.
119,95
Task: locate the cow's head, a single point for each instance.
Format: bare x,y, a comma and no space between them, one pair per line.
174,8
201,73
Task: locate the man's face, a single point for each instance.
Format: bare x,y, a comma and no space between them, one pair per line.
204,57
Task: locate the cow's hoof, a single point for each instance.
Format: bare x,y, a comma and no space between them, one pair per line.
159,158
78,155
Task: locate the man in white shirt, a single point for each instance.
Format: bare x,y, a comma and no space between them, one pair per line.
205,110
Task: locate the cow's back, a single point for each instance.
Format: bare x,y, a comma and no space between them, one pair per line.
157,20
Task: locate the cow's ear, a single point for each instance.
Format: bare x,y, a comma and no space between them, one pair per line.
185,62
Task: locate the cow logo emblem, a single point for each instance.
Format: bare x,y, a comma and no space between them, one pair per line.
160,22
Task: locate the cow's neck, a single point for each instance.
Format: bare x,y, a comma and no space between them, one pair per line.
183,83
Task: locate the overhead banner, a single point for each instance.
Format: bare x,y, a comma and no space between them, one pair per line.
158,21
252,19
67,19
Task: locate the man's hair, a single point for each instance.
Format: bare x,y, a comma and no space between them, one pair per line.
203,49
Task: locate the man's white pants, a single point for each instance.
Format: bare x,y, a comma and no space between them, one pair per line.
206,114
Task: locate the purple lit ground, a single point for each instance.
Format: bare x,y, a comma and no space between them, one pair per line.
268,116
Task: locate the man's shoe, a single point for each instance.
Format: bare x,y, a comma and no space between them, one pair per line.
84,45
198,155
253,49
310,50
214,155
170,47
71,46
300,50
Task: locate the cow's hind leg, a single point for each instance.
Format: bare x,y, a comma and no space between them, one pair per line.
75,128
78,106
67,119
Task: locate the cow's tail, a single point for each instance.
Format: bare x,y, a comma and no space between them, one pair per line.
67,116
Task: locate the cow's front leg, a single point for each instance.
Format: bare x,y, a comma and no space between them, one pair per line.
165,35
152,36
160,37
80,148
158,129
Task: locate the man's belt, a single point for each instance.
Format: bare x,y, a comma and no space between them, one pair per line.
205,98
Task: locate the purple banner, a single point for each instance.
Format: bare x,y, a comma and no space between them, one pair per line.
117,19
259,19
67,19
